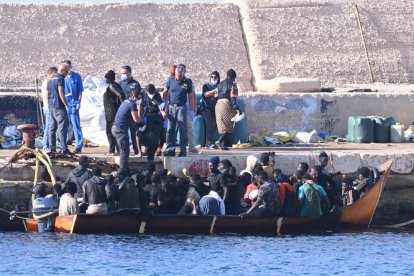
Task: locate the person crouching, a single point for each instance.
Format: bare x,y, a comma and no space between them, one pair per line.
94,193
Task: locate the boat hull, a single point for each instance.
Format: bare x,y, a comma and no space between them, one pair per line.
356,216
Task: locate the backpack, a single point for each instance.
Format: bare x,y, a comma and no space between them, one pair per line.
313,200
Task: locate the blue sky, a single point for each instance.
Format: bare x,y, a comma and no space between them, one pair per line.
108,1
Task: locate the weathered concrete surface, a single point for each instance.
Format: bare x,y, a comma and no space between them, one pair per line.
325,112
322,39
100,37
13,196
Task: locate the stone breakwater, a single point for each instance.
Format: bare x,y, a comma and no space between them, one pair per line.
338,41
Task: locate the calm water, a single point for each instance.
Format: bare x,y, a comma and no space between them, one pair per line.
369,253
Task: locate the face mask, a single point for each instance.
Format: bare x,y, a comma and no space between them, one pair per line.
151,96
214,82
124,76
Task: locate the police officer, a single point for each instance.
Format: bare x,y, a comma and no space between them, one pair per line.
129,84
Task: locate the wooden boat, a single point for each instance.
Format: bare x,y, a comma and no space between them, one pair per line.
356,216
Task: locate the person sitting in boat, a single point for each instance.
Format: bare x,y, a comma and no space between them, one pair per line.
201,188
279,176
303,166
268,203
214,174
79,175
191,206
251,162
287,196
94,193
250,196
313,200
212,205
364,182
156,195
267,166
129,201
349,195
353,190
67,203
228,183
296,179
327,184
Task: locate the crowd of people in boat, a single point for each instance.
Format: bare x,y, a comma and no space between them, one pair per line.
143,116
260,190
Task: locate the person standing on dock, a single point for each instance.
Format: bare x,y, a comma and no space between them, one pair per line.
227,93
73,94
209,100
58,110
112,100
176,91
126,115
128,85
46,127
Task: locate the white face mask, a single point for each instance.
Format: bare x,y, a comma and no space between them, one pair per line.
124,76
151,96
214,82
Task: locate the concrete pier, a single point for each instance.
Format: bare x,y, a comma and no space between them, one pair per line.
396,204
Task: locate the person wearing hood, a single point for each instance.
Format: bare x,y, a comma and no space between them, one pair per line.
226,107
209,100
251,162
79,175
112,100
94,193
228,182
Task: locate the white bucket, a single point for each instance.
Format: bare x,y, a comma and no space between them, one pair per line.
397,133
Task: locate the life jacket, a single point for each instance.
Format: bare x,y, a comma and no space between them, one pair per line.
289,204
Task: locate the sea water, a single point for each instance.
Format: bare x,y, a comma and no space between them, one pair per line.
367,253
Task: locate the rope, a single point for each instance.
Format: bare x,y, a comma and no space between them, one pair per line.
48,214
401,224
13,214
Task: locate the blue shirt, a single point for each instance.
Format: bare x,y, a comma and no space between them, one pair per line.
73,88
178,90
53,85
123,117
128,86
306,212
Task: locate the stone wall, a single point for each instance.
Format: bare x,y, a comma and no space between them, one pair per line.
99,37
325,112
322,39
260,39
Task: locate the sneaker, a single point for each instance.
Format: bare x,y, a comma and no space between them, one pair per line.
76,151
169,153
65,152
193,150
213,147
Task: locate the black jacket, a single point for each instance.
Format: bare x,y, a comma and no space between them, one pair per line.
112,99
94,190
78,176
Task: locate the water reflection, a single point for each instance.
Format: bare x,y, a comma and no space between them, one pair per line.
372,252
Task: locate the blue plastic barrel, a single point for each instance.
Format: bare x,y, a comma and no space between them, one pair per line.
199,131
